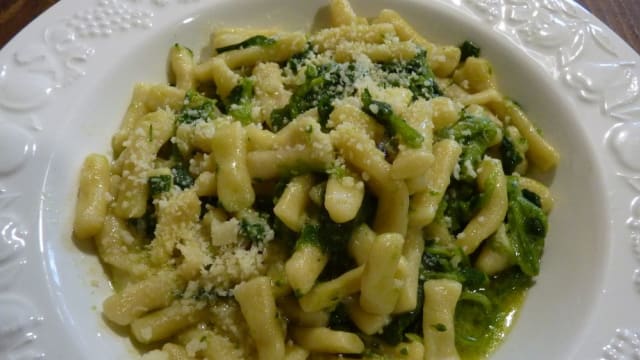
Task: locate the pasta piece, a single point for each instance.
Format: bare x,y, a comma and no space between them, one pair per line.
475,75
259,310
224,78
177,219
295,352
393,196
226,36
425,204
342,13
286,45
491,259
347,51
328,294
546,199
440,298
325,340
330,38
164,323
379,290
297,316
176,352
290,208
117,247
259,139
206,184
360,243
210,345
234,182
393,207
412,162
343,197
348,113
93,197
137,299
412,252
181,60
540,152
404,30
492,181
367,322
269,90
149,134
146,98
482,97
304,266
301,146
442,59
444,112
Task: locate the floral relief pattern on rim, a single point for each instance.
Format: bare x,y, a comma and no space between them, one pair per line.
556,33
28,82
554,29
18,319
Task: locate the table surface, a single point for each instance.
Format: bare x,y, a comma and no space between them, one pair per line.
621,15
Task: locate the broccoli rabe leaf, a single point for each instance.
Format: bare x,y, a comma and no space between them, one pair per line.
310,236
258,40
334,238
510,156
526,228
461,202
475,134
296,61
196,107
339,320
450,262
239,101
410,322
145,226
181,176
323,83
468,49
396,125
414,74
533,197
254,226
159,184
481,316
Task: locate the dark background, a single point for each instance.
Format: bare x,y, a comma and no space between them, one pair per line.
623,16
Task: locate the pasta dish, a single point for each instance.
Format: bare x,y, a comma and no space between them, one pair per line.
358,192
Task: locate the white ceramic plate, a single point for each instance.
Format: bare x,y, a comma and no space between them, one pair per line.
66,79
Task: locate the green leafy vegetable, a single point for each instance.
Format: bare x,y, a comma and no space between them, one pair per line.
510,155
323,83
159,184
475,134
181,176
414,74
468,49
258,40
526,228
482,316
196,107
309,236
396,125
254,226
239,101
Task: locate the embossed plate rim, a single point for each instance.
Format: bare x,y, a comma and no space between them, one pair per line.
71,41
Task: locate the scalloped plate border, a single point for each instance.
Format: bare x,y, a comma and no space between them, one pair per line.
556,33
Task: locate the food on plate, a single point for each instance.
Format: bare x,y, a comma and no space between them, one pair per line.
358,191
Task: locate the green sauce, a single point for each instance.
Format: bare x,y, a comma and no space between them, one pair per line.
480,328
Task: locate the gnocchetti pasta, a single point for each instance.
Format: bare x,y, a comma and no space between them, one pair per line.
357,192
